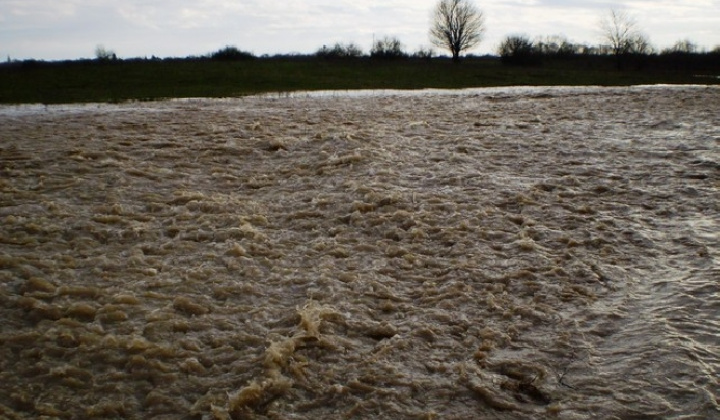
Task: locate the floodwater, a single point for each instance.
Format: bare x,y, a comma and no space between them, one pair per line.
517,253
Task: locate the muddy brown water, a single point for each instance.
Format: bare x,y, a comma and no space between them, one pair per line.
493,253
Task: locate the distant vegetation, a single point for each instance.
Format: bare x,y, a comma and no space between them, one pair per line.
388,48
340,50
457,26
626,57
520,50
231,53
231,73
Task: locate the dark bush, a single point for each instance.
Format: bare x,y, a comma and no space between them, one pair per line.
424,53
231,53
388,48
518,50
340,50
103,54
557,46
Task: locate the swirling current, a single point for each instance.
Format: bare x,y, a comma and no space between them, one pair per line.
514,253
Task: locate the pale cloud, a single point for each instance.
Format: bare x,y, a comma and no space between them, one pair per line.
56,29
25,14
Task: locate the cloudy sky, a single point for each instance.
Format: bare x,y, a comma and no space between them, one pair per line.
69,29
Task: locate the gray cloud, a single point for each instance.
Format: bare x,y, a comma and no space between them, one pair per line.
51,29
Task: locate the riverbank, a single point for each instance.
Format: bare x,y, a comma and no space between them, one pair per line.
148,80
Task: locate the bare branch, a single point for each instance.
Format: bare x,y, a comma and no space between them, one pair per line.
619,29
457,25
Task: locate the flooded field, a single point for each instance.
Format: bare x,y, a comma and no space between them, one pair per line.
521,253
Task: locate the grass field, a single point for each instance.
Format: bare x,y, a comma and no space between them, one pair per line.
116,81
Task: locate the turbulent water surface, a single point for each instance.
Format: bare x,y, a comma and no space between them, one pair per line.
498,253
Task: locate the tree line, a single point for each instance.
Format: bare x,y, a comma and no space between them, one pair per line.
457,26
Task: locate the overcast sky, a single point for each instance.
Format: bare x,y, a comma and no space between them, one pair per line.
69,29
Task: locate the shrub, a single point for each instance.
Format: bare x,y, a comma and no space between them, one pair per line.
518,50
684,46
424,53
388,48
231,53
557,46
103,54
340,50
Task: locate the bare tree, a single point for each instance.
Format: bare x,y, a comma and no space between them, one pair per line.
457,25
557,45
388,47
103,54
640,44
621,31
517,50
684,46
